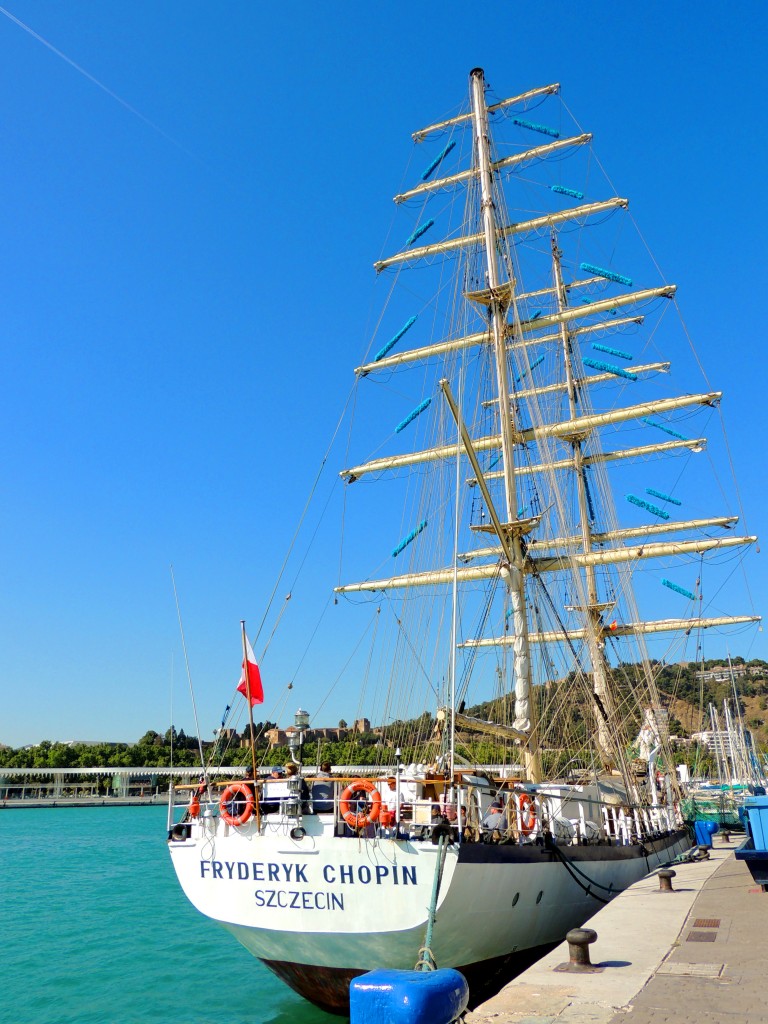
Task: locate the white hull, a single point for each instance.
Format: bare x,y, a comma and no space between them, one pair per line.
350,905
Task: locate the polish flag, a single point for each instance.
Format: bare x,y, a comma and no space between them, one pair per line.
252,681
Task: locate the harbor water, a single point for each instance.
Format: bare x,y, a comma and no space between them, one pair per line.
96,930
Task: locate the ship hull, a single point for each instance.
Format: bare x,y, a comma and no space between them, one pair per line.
321,910
328,987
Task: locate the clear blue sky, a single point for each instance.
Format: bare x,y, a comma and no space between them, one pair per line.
186,286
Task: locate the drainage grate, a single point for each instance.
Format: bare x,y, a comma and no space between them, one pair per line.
707,922
701,937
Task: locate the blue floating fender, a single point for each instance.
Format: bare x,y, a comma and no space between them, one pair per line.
617,371
437,161
667,430
412,416
393,341
664,497
653,509
567,191
679,590
408,997
611,351
419,232
411,537
536,127
609,275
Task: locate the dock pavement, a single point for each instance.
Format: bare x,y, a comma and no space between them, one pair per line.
697,955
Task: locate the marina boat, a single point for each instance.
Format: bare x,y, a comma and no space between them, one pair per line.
519,368
740,770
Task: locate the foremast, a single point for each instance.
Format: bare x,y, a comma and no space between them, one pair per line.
499,299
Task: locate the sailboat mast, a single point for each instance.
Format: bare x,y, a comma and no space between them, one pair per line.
513,571
594,609
745,769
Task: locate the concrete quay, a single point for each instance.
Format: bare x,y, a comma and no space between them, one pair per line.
698,955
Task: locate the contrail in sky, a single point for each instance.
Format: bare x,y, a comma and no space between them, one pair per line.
96,82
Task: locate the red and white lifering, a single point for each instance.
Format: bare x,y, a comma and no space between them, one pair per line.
527,809
227,803
360,819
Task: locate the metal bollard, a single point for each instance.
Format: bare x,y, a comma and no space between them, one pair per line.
578,940
665,879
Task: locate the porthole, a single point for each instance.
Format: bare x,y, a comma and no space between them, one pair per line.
515,898
539,897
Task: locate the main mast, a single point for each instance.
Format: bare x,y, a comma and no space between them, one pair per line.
594,608
512,570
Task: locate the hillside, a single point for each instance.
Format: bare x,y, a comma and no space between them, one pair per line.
690,688
686,690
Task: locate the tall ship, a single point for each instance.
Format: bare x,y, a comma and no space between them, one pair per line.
515,466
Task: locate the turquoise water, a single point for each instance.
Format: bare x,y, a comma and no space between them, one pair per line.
95,930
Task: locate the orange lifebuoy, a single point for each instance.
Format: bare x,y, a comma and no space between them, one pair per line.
527,808
360,819
226,804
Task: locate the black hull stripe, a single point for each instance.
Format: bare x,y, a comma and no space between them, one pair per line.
513,853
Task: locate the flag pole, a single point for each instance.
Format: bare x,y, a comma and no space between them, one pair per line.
248,698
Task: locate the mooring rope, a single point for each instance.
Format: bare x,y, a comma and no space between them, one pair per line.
426,960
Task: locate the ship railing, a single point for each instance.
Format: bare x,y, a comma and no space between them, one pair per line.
628,824
521,814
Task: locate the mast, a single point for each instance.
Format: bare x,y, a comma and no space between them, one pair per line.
604,709
738,730
719,745
247,676
455,608
512,570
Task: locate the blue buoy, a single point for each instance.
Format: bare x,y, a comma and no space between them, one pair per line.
408,997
